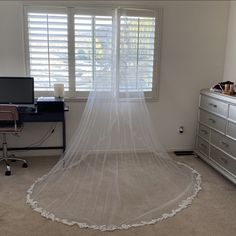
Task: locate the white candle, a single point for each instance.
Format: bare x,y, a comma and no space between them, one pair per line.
59,90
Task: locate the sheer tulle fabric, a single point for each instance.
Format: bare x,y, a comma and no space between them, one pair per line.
114,174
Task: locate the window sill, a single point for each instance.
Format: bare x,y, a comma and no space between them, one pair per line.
81,99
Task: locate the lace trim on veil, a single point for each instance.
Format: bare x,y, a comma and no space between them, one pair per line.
182,205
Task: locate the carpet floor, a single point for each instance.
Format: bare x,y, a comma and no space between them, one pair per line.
212,212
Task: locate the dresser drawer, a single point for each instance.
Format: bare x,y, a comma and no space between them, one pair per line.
223,160
212,121
231,130
221,141
202,146
214,105
204,131
232,112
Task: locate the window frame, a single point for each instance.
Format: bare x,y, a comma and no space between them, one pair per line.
116,13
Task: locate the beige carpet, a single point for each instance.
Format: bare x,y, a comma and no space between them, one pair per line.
212,213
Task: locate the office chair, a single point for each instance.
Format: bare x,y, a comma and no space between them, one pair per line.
9,124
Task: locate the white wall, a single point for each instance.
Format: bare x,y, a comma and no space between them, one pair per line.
11,42
192,57
230,55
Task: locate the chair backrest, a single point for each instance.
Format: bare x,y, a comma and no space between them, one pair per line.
9,113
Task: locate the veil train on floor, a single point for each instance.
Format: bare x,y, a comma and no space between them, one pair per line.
114,173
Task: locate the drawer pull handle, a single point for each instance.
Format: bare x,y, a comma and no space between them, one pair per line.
204,131
225,144
212,120
223,160
213,105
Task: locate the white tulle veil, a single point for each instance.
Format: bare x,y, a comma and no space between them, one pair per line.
114,173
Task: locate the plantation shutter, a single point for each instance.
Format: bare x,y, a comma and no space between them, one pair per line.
137,50
83,46
48,49
93,49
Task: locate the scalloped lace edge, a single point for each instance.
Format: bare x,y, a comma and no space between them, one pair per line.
182,205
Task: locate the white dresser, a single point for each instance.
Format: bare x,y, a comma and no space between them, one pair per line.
216,132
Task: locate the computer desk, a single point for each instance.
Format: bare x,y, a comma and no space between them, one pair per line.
33,117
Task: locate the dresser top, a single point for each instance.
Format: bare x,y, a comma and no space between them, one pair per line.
217,95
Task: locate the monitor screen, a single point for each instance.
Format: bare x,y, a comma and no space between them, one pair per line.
16,90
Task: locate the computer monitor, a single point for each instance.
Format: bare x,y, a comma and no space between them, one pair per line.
16,90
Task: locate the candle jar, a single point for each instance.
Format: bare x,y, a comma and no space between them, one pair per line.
59,90
231,88
227,87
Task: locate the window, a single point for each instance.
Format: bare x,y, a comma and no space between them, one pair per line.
80,46
48,49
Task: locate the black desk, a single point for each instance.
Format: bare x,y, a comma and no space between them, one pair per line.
33,117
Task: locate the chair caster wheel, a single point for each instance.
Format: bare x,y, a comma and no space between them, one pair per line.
25,165
7,172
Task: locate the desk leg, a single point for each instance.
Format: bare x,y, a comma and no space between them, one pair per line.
64,134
